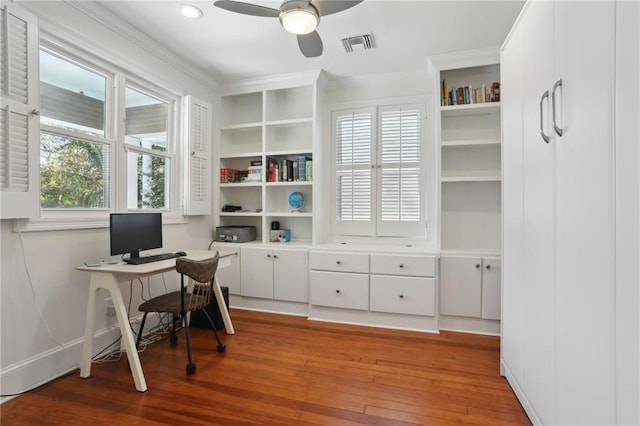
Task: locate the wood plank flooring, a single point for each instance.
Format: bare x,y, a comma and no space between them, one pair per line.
284,370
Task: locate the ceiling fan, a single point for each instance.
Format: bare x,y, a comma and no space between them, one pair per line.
300,17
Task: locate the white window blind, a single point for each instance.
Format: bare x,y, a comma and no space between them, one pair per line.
354,155
378,176
401,211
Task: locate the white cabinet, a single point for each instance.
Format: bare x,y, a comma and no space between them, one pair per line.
470,287
559,212
339,279
268,126
402,284
271,273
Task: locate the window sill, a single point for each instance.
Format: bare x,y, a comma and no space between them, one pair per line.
79,220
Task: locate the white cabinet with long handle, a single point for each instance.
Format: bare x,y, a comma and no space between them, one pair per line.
559,334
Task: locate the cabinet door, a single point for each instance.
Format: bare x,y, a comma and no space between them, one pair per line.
461,286
229,276
290,275
256,268
511,338
491,272
538,210
585,223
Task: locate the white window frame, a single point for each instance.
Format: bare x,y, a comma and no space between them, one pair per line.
60,219
422,231
173,140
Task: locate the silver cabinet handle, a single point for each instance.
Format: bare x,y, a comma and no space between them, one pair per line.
553,103
544,137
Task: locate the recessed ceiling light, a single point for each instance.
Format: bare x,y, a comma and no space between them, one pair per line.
190,11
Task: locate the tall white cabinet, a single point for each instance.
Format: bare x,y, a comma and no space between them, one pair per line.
559,333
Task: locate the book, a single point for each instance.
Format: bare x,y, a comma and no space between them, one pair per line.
309,170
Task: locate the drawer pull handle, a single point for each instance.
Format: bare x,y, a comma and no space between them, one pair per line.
488,266
269,256
338,262
337,291
275,256
477,266
401,265
402,296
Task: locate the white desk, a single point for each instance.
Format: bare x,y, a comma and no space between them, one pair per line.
109,277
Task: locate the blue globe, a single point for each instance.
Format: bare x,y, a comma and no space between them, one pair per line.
296,200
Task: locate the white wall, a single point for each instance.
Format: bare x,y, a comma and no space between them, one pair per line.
38,272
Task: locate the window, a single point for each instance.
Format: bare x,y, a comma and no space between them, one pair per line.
379,181
86,139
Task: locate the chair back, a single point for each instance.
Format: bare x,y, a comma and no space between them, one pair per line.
200,274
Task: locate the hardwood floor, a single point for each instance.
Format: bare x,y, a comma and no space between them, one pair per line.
283,370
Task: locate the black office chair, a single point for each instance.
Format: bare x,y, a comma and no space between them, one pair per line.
192,296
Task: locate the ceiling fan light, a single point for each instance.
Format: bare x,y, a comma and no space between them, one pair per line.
299,21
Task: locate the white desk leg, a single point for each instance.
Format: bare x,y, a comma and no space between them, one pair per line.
223,307
89,329
110,283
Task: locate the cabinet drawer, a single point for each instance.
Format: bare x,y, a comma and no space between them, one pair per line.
406,265
403,295
339,262
338,290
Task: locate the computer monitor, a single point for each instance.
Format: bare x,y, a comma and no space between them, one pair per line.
133,232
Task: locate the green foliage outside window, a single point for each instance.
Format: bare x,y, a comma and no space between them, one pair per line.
72,173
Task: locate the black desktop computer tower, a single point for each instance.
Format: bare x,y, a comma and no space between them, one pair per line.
199,319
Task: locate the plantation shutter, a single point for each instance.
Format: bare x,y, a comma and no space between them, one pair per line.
399,179
19,121
198,190
354,199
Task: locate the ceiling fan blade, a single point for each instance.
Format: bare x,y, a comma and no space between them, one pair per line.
327,7
247,8
310,44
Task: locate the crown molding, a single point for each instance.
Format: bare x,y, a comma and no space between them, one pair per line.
273,82
102,16
467,58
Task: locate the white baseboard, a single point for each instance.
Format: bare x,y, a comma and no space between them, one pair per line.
57,362
528,408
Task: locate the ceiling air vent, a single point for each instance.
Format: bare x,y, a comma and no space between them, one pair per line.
360,42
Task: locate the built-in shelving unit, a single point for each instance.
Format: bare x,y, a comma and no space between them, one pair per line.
470,165
277,123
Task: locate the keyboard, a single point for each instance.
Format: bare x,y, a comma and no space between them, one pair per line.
153,258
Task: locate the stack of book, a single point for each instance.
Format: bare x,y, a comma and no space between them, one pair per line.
295,169
232,175
469,95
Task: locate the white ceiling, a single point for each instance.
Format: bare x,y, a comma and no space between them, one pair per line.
230,46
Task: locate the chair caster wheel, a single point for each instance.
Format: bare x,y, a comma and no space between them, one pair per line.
221,347
191,368
173,339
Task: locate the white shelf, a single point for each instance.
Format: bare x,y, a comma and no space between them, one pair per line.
289,214
241,155
288,122
241,214
470,109
288,152
240,184
293,183
471,179
242,126
470,142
